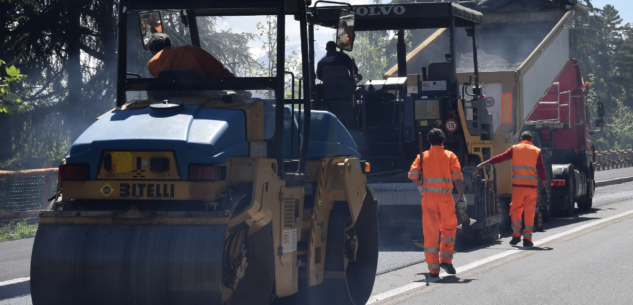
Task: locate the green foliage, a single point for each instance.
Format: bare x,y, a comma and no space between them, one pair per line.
620,123
68,50
9,101
17,229
604,47
371,53
267,66
22,163
375,52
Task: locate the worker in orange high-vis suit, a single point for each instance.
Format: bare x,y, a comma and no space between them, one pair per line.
439,169
168,57
527,168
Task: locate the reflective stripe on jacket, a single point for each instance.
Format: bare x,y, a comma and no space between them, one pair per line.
524,159
439,168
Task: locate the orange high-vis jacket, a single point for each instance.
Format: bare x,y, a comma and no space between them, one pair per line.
187,57
439,168
524,158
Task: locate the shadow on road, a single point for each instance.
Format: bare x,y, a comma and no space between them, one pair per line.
533,248
15,290
399,225
560,221
447,279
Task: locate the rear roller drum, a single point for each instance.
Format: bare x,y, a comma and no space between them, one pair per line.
127,265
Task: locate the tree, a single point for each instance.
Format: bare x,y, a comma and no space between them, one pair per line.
267,65
9,101
603,45
621,123
68,50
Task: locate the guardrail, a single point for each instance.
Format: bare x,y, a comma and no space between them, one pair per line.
49,176
612,159
605,160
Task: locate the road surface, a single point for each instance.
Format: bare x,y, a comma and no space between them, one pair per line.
582,259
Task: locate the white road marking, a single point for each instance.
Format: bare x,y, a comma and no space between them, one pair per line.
15,281
391,293
462,269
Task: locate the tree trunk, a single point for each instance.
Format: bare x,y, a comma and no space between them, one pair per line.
75,106
109,45
6,139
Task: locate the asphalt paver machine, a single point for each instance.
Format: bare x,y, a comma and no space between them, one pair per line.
206,196
387,117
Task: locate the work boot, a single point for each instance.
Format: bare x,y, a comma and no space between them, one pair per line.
448,268
528,243
515,240
431,274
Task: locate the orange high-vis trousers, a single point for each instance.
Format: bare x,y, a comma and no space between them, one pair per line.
523,199
438,215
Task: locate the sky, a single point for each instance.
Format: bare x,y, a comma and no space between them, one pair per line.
323,35
625,7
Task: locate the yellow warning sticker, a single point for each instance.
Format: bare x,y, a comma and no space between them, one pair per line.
424,123
121,162
106,190
432,110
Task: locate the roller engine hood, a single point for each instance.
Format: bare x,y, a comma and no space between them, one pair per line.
195,134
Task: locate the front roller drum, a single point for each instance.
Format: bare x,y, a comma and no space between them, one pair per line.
352,285
152,265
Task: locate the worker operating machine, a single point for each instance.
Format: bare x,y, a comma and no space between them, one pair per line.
387,117
196,194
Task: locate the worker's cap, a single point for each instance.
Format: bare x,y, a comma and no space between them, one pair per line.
330,45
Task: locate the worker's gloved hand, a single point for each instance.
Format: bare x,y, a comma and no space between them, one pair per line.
420,189
461,207
461,202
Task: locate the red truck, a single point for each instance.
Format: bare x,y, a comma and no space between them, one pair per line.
562,127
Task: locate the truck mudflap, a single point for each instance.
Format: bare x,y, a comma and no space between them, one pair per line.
78,260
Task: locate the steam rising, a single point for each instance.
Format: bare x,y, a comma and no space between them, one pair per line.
501,47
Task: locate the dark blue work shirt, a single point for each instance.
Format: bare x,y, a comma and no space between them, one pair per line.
334,58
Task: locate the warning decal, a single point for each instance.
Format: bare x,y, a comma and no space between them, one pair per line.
506,108
290,240
433,85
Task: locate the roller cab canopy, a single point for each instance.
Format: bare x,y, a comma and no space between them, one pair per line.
401,16
216,7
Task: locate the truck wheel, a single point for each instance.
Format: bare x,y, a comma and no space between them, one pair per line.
547,212
570,204
586,202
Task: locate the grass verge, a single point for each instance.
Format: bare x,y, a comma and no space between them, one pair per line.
17,229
